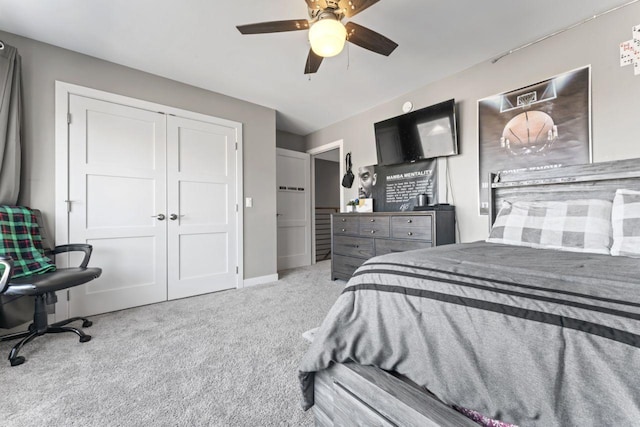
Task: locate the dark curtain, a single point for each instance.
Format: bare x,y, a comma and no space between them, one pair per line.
10,124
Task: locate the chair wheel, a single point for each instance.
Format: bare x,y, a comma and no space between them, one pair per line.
87,323
17,361
85,338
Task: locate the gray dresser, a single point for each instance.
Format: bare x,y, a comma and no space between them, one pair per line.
356,237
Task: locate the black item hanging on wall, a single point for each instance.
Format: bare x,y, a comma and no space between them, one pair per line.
347,179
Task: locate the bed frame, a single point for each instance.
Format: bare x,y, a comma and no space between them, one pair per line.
591,181
350,394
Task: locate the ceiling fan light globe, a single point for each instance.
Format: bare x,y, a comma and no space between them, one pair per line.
327,37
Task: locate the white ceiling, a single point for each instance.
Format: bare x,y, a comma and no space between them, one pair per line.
196,42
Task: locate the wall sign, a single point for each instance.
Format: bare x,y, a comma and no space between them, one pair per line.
396,188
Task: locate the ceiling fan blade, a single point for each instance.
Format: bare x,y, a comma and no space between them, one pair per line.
353,7
274,26
317,4
369,39
313,63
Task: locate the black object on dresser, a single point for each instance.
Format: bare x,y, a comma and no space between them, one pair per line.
356,237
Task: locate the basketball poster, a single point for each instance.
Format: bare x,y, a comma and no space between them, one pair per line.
541,126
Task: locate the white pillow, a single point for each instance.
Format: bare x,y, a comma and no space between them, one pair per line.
573,225
625,219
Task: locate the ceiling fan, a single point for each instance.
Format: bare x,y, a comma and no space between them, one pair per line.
327,34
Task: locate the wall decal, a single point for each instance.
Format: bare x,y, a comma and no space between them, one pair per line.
630,51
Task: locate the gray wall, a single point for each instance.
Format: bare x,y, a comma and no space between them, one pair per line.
290,141
615,95
43,64
327,184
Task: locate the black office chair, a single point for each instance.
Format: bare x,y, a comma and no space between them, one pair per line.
42,287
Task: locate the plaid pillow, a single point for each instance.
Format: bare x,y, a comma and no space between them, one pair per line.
625,219
574,225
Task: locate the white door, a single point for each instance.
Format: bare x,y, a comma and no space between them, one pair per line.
293,180
117,189
201,171
156,196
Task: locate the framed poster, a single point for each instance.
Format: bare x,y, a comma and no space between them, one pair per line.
395,188
544,125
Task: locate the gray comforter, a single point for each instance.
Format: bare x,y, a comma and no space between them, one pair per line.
529,336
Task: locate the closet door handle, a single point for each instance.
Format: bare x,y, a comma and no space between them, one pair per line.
173,217
160,217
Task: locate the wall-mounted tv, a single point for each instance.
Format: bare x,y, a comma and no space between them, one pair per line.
422,134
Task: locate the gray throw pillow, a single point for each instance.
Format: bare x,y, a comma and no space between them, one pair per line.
573,225
625,219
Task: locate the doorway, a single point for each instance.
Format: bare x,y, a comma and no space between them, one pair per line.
327,196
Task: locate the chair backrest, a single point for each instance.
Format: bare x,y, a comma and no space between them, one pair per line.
16,310
47,239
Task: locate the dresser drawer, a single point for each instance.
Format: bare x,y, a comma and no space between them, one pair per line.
412,227
353,246
345,265
384,246
344,224
374,226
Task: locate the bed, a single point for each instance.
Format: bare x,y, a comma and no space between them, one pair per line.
509,328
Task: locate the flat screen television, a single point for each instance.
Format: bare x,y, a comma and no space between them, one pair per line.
422,134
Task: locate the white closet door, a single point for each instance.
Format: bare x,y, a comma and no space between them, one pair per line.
293,178
117,184
202,229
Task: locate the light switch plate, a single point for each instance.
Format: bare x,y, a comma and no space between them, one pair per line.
248,202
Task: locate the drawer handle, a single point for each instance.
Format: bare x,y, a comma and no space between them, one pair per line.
373,231
344,229
344,219
409,221
409,234
372,220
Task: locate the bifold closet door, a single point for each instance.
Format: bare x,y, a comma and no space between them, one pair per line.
156,197
202,223
117,202
294,208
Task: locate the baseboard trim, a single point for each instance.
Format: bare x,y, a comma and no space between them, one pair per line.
256,281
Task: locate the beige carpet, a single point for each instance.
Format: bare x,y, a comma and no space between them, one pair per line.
224,359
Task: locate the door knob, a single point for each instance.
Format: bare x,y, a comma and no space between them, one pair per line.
173,217
160,217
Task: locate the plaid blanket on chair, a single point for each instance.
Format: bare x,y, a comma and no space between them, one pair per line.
20,239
